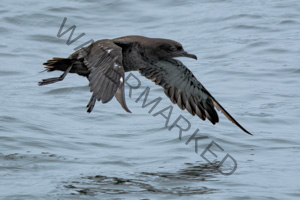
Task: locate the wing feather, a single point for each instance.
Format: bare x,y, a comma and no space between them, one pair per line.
104,61
183,89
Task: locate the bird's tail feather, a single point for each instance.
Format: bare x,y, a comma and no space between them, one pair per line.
57,64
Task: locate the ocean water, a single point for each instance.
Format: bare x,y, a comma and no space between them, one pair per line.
248,58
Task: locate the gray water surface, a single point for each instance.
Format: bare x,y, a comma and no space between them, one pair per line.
248,58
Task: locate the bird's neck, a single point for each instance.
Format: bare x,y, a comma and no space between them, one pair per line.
135,58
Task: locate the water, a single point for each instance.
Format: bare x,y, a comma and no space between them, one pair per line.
248,58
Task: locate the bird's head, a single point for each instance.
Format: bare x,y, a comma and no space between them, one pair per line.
164,49
153,48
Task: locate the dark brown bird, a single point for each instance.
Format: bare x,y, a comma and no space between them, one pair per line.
105,62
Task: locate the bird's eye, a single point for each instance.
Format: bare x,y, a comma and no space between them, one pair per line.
172,48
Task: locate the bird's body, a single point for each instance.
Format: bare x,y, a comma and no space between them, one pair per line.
105,62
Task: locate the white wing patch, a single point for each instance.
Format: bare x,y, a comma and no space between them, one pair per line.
116,66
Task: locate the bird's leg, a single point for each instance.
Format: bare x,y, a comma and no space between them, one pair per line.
55,79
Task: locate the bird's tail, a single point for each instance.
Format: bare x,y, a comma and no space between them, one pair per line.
66,65
60,64
57,64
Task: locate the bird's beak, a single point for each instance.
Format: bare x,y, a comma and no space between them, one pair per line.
186,54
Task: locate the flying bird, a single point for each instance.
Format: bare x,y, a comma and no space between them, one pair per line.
105,62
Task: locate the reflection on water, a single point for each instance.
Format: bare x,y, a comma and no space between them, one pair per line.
181,183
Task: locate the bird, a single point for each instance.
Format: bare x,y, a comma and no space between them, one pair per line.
104,63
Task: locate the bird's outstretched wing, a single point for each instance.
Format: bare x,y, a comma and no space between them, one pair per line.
181,86
104,61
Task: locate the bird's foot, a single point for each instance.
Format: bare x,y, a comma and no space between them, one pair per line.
55,79
50,81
